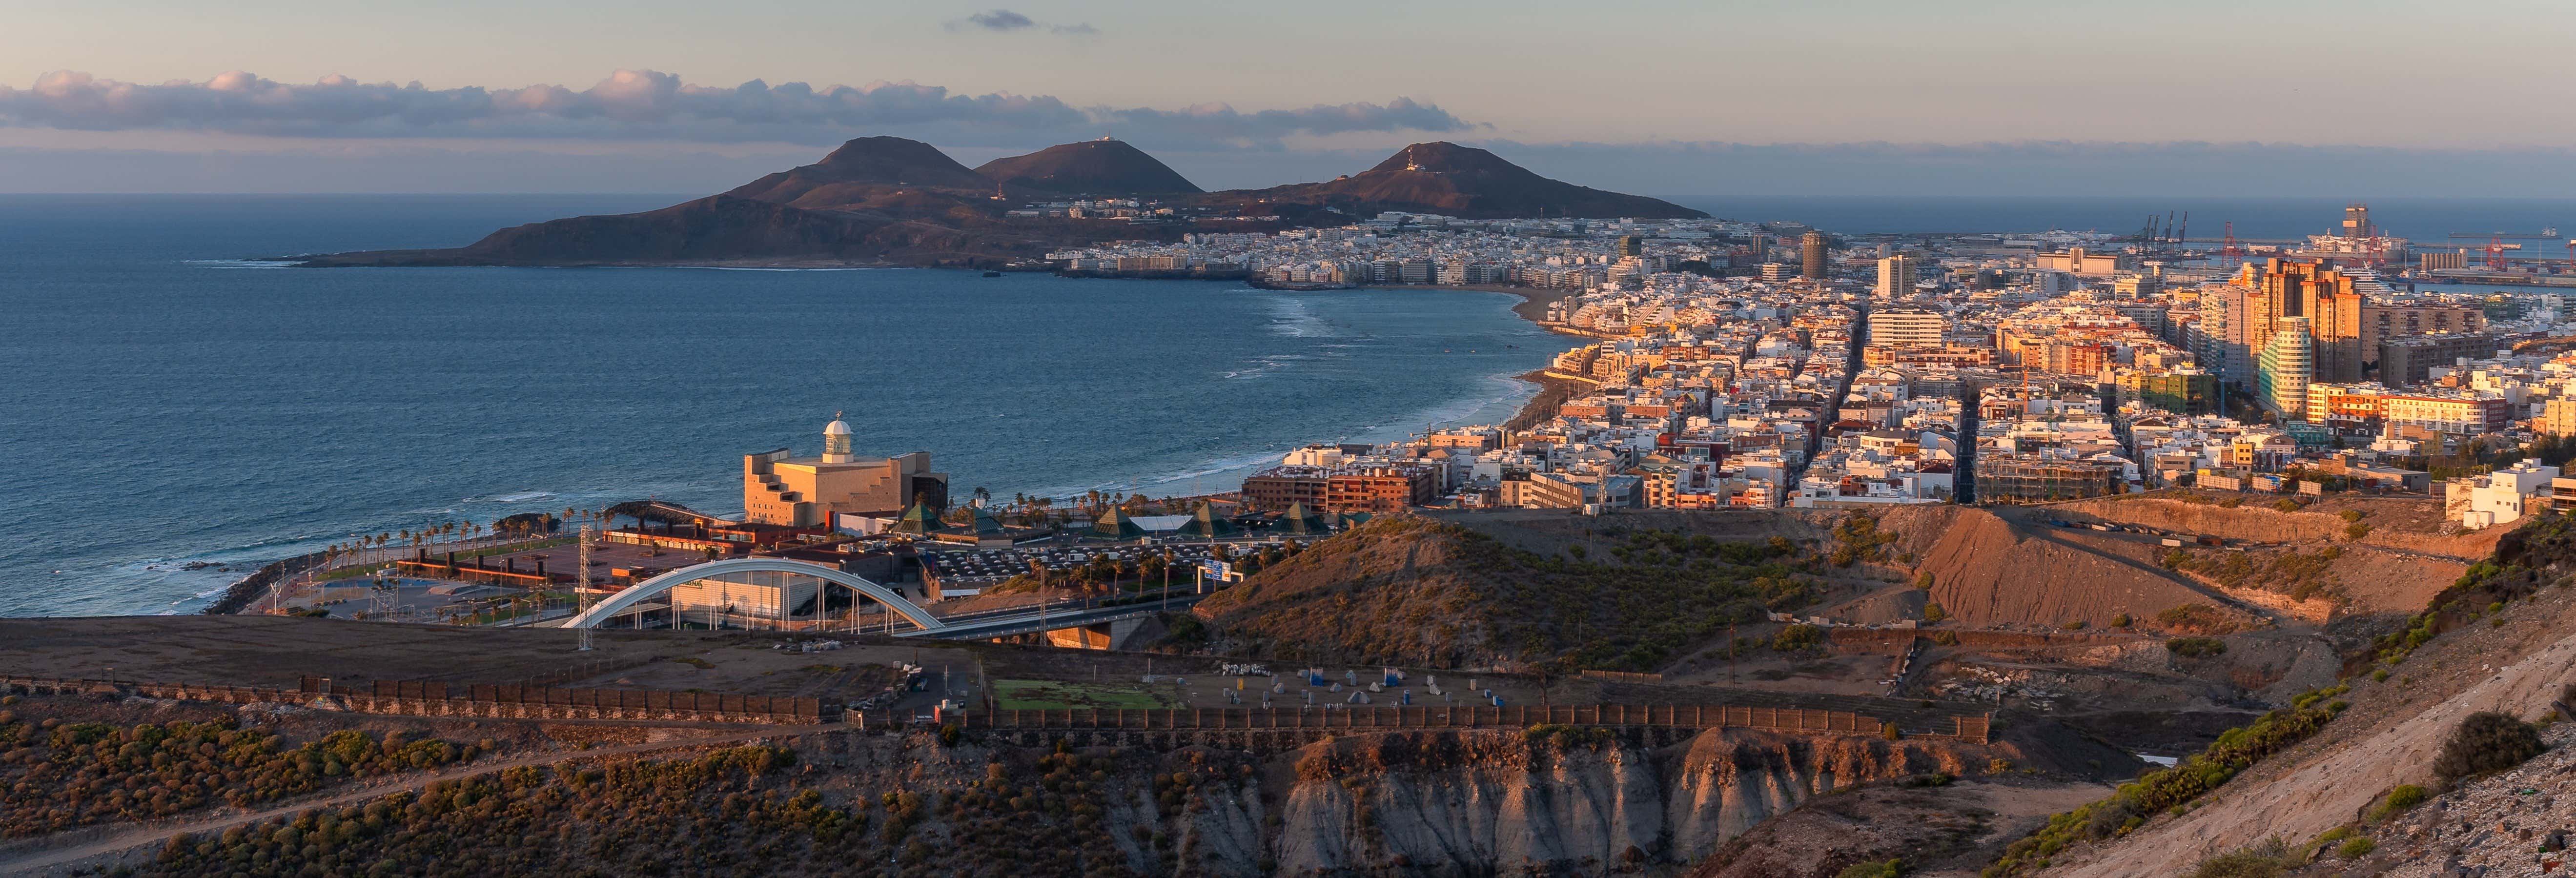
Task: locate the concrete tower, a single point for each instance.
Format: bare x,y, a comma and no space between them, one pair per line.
1812,249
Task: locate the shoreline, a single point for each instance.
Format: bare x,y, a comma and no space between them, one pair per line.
1553,389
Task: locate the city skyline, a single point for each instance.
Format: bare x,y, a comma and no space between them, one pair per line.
1705,101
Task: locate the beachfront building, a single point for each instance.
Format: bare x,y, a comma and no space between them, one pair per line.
808,491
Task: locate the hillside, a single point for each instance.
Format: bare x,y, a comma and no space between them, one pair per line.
1094,167
2496,642
1463,181
852,173
1416,591
892,201
719,230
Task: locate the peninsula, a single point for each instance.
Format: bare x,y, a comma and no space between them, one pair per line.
888,201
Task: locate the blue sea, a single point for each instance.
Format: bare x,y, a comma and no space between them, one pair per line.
165,401
162,401
2426,221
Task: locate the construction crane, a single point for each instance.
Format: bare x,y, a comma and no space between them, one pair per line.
2183,233
2495,253
2231,253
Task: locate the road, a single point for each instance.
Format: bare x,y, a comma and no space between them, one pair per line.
130,836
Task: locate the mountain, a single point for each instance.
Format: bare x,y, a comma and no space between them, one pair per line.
892,201
721,229
1461,181
860,171
1094,167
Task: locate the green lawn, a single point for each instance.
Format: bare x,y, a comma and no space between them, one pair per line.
1057,695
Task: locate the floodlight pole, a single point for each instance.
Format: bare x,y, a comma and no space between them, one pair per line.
581,586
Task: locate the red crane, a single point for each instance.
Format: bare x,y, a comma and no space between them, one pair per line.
2231,253
2495,253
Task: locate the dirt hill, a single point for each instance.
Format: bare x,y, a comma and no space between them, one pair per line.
1095,167
1463,181
1412,590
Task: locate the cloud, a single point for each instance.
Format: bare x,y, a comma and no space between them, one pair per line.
647,104
1006,21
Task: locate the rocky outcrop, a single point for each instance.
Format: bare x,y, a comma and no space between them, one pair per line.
1499,803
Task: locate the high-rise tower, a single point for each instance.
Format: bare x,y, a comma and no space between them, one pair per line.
1812,249
1896,276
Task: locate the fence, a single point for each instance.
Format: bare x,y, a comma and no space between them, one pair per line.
1665,715
1630,676
541,702
419,698
414,698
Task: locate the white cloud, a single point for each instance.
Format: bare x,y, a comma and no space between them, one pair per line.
642,104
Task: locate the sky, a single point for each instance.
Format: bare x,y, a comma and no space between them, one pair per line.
1730,97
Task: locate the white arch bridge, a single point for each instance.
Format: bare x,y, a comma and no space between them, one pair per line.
1000,623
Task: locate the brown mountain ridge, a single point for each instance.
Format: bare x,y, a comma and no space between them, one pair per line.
893,201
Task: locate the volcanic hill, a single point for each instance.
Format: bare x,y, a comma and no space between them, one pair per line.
1463,181
1092,167
892,201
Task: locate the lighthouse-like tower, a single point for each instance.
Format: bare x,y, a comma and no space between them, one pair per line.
836,441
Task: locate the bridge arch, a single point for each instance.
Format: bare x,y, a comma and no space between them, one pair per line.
639,592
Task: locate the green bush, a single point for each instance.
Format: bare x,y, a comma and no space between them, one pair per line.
1798,637
2265,860
2196,647
2356,848
2398,799
1932,612
1868,869
2486,742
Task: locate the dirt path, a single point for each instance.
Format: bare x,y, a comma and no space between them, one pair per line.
128,837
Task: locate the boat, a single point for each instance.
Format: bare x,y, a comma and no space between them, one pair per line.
992,274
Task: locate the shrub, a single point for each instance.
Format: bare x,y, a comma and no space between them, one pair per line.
2356,848
1798,637
2121,621
2195,619
1868,869
2264,860
2351,516
2355,531
2286,504
1932,612
1871,869
2196,647
2486,742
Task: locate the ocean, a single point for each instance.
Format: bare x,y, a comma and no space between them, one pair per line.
165,403
2427,221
